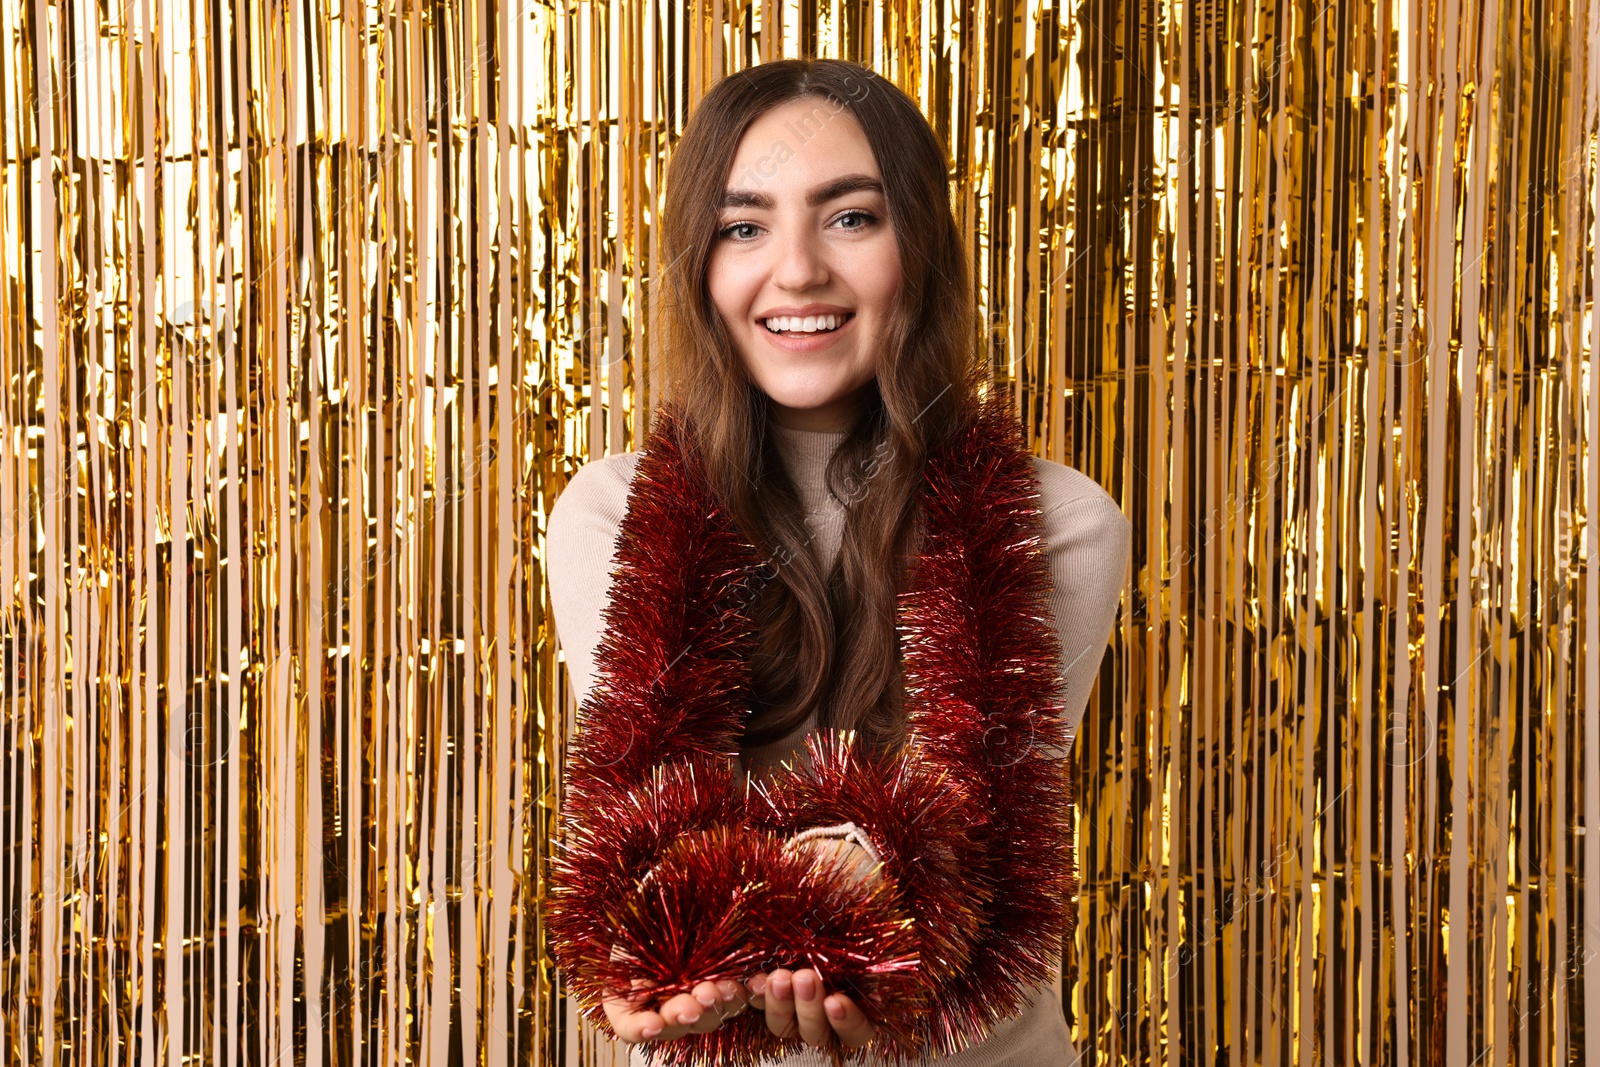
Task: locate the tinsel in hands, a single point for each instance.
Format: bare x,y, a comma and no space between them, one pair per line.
672,873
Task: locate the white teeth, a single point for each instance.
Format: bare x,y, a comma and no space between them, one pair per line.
805,324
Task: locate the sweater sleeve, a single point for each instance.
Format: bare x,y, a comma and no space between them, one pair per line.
580,555
1088,542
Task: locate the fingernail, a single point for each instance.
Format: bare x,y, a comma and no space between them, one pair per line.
758,986
805,987
782,988
692,1018
835,1009
707,1001
652,1030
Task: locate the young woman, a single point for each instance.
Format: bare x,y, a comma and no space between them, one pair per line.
831,629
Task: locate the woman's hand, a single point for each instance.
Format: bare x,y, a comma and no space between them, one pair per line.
795,1001
697,1013
798,1000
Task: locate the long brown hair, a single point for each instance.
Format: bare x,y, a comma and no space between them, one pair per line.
828,641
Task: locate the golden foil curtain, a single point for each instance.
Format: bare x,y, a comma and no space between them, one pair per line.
309,311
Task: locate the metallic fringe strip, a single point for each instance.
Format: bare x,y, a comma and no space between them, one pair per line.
308,313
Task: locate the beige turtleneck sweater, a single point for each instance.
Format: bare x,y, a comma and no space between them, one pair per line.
1087,543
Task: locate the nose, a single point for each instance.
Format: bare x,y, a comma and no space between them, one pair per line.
799,264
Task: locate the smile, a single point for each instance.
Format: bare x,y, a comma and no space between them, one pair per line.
793,325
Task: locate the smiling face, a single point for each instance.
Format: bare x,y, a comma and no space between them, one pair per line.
805,268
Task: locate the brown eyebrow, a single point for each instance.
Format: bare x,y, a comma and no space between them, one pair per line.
850,183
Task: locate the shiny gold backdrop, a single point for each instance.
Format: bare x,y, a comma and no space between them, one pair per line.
309,311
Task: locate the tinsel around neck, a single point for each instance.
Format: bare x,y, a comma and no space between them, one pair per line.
673,871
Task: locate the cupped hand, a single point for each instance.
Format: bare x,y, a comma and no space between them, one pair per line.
796,1002
699,1012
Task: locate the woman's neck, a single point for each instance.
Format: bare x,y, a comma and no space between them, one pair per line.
806,453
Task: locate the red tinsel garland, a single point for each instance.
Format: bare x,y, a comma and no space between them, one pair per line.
672,872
